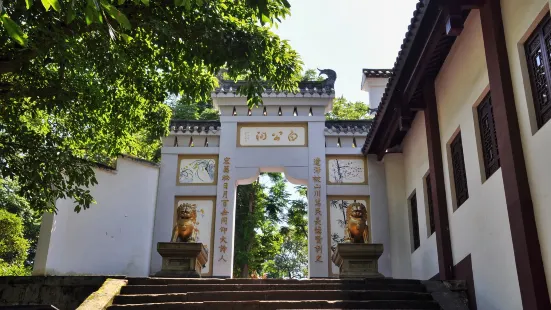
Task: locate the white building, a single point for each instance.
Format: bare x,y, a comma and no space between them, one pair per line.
453,168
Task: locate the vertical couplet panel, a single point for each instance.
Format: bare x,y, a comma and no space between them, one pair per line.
318,251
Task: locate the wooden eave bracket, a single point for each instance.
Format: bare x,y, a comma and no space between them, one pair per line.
454,23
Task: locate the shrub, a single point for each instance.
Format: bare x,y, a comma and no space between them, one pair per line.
13,246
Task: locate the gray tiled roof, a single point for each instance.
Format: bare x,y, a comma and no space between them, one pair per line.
191,126
377,73
326,86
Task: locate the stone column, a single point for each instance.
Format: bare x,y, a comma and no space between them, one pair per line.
319,254
224,217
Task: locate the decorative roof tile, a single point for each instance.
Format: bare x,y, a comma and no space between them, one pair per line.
352,127
377,73
326,86
196,127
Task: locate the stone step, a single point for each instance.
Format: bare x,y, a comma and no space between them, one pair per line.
289,295
283,304
165,281
184,288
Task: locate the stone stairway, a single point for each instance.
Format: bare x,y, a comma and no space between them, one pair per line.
163,293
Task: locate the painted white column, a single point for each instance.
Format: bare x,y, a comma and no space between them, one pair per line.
224,217
380,230
400,244
164,210
319,253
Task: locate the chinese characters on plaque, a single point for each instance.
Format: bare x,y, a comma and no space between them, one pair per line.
224,213
317,204
272,136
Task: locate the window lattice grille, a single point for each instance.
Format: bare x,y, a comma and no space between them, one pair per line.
537,48
430,205
414,221
488,136
459,173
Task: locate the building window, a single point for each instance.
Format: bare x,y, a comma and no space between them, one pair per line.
459,174
488,137
414,222
538,48
430,206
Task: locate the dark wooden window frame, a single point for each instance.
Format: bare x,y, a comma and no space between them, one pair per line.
414,217
458,169
537,48
430,206
488,136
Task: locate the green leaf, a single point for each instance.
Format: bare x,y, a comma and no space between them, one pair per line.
126,38
179,2
91,14
29,3
146,2
70,15
265,19
46,4
51,3
14,30
121,2
117,15
55,4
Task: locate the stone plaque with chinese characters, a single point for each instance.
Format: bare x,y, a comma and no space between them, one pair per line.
272,135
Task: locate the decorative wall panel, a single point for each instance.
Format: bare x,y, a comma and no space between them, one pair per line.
459,172
346,170
537,49
204,224
197,170
272,135
488,136
337,221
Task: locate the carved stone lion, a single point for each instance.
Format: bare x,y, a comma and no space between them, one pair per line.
356,230
186,217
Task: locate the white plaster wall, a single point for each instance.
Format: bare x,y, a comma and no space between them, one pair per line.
112,237
376,88
400,259
519,18
380,229
480,226
424,260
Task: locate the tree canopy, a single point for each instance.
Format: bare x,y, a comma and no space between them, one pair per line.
348,110
271,230
83,81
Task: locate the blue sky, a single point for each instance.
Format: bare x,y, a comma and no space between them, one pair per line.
347,36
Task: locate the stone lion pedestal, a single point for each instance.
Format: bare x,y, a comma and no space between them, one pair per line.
358,260
181,259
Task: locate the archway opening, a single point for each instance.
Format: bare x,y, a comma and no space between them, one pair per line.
271,229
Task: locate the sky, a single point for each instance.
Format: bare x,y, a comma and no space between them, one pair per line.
347,36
